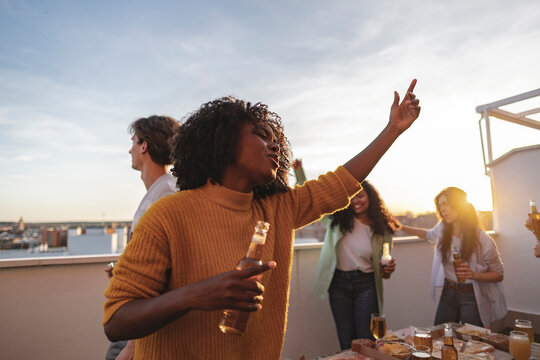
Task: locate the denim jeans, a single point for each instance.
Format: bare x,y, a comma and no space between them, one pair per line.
353,298
457,304
114,349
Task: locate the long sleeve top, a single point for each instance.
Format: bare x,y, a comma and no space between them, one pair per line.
196,234
489,295
328,261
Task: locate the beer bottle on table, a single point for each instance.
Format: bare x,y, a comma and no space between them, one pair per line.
456,259
235,321
448,351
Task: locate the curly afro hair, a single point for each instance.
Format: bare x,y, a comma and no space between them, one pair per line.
205,144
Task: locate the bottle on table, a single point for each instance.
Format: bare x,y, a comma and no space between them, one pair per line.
235,321
448,351
456,260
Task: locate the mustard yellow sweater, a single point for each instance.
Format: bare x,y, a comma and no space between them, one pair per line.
196,234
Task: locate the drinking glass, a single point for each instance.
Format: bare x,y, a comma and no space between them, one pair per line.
421,352
525,326
422,336
378,325
519,345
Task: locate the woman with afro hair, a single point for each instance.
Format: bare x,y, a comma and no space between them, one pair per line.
349,267
177,275
472,291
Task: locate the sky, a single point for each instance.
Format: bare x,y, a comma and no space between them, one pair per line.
74,75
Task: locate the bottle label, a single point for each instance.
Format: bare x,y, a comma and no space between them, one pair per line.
258,239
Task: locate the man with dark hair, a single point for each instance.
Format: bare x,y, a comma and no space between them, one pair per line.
151,155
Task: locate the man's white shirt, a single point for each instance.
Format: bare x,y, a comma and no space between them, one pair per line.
164,185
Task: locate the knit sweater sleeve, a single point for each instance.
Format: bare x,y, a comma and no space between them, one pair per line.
327,194
142,268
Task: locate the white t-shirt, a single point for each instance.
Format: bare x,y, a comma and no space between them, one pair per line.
354,249
164,185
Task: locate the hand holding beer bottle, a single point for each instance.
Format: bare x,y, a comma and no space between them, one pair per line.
463,271
235,321
533,220
388,264
458,268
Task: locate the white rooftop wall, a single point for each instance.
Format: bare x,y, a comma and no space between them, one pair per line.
515,179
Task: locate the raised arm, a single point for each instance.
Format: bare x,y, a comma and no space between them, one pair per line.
402,115
299,171
235,289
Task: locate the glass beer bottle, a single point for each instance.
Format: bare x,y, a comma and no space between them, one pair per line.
534,215
385,258
448,351
235,321
456,259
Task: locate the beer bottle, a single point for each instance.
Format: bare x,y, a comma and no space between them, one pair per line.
533,213
385,258
235,321
456,259
448,351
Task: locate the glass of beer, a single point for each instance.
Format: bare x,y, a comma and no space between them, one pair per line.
421,352
525,326
422,336
378,325
519,345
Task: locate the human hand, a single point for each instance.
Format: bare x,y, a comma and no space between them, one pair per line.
464,271
297,164
403,115
529,224
388,269
234,290
108,270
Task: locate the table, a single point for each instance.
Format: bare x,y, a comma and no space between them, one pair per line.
497,353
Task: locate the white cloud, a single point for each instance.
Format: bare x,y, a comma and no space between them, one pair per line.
72,82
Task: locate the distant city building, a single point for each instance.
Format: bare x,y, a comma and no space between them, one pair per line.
54,238
19,227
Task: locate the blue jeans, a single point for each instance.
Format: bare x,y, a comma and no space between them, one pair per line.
353,298
457,304
114,349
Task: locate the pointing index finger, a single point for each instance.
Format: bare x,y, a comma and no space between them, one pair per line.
411,87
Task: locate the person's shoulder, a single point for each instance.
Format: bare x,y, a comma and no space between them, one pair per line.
484,238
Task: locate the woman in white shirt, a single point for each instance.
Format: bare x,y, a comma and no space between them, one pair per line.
349,267
472,292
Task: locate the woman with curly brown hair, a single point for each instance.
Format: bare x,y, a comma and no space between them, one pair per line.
472,291
174,280
349,267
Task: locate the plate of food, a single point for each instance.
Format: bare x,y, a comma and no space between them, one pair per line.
396,349
471,332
